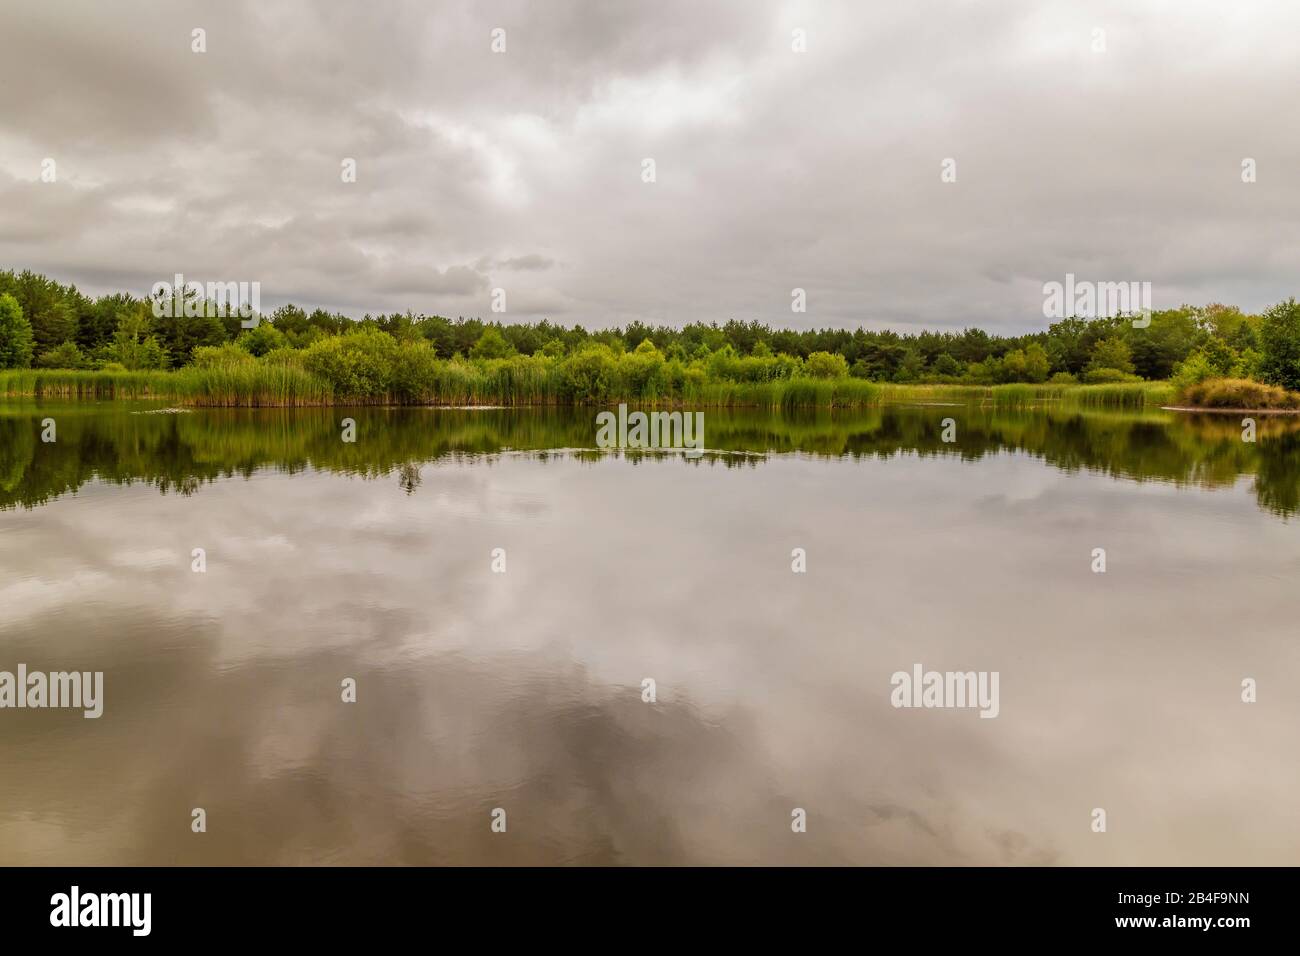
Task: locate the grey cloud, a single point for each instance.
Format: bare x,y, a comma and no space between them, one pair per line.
528,263
775,170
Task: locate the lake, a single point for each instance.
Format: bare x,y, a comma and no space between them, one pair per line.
500,590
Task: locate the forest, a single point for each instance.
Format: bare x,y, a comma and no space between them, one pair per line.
295,357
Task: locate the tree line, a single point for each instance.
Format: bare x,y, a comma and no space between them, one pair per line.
46,324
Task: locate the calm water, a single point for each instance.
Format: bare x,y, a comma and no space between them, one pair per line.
478,690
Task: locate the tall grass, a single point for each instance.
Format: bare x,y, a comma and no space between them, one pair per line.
251,384
1023,395
416,378
64,383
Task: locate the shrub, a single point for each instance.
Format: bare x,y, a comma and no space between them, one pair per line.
1193,370
355,366
642,371
414,372
220,356
588,375
826,365
1237,393
67,355
263,338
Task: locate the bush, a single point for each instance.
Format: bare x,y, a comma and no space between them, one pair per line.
1237,393
588,375
414,372
1193,370
220,356
1027,365
642,371
67,355
1064,378
826,365
261,339
356,366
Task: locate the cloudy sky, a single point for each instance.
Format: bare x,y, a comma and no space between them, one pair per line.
774,169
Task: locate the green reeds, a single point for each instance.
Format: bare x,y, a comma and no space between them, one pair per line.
64,383
417,378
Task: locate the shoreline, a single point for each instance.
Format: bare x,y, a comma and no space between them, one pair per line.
1230,411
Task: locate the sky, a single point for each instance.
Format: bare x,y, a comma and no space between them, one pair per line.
1102,139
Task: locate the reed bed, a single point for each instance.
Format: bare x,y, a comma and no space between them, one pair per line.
419,379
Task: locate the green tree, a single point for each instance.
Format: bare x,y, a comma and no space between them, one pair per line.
947,366
1067,346
1037,364
134,347
1170,338
1112,352
491,345
262,339
911,368
16,339
1279,345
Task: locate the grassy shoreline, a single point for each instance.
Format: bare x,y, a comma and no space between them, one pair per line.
266,386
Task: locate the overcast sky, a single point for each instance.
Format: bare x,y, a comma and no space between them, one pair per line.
775,169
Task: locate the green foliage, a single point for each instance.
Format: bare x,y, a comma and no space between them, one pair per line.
1279,345
826,365
263,338
67,355
1025,365
407,357
945,366
1110,353
221,356
1201,365
16,339
1105,375
355,366
491,345
588,375
133,347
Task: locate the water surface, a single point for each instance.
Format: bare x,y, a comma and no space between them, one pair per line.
522,690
